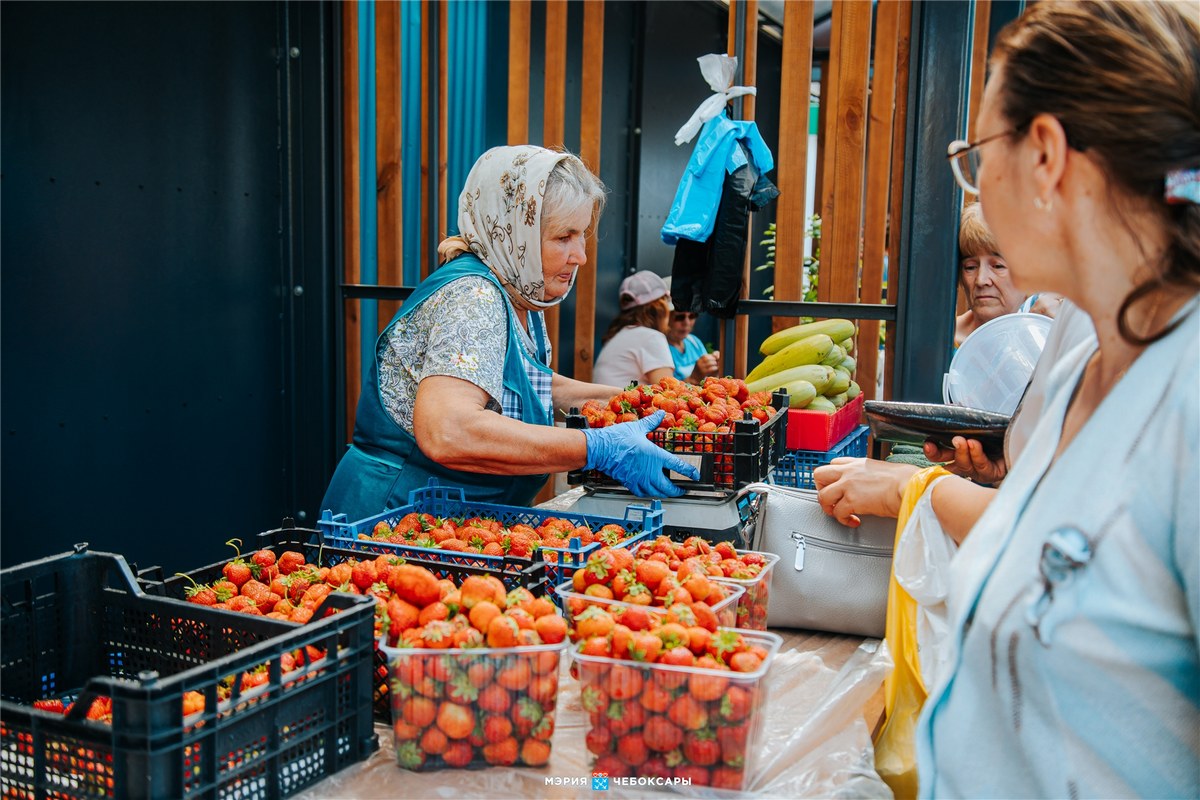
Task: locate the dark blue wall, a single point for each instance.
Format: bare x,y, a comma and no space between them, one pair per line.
156,352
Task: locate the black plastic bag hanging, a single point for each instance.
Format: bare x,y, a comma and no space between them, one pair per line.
707,276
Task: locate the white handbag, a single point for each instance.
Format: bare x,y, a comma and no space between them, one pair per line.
830,577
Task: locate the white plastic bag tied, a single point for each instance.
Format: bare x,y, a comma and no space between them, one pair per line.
718,70
922,564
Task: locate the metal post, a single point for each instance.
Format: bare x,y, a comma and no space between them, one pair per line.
940,74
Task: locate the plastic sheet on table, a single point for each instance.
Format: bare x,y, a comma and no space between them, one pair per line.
817,744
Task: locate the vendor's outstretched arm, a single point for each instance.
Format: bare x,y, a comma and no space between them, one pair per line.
453,426
569,392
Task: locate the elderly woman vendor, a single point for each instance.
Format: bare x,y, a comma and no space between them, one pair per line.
460,388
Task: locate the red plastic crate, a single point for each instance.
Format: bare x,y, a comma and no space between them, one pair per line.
816,430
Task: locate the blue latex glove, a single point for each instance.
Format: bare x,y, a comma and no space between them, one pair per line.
623,453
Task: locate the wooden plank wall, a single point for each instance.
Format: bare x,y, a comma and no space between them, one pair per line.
860,155
792,171
590,117
389,188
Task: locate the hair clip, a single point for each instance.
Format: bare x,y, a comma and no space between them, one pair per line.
1182,186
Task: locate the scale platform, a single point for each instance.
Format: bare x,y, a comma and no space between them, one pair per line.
714,516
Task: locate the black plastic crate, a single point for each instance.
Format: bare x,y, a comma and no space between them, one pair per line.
77,627
520,572
726,461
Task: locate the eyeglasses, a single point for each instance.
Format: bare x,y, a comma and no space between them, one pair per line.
679,316
964,159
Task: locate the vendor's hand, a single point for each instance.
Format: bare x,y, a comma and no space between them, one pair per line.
849,488
624,453
706,365
967,459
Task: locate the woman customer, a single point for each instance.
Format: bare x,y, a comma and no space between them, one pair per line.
1075,598
693,362
460,388
985,280
634,348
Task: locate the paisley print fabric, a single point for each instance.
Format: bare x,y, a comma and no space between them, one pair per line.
500,219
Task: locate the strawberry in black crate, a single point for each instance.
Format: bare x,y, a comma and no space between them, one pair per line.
731,435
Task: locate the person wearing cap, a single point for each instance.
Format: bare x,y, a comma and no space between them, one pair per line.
634,348
460,387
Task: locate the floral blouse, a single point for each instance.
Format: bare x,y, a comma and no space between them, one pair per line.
461,330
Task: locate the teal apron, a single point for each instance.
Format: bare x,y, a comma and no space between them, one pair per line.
384,463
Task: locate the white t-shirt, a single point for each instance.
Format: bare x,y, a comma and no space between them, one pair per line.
630,355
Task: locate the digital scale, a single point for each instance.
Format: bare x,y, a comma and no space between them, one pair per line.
716,516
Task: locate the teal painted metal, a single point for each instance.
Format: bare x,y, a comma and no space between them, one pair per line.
410,137
467,41
369,258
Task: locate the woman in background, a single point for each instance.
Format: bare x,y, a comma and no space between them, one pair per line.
693,362
634,348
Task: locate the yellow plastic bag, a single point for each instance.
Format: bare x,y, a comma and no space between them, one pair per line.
904,690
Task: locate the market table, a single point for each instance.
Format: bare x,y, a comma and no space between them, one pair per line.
824,701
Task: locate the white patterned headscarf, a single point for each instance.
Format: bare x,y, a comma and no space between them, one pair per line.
500,217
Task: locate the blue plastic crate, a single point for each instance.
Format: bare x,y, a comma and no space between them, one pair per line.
640,521
795,469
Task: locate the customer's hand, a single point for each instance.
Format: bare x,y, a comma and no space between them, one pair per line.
850,488
967,459
706,365
625,454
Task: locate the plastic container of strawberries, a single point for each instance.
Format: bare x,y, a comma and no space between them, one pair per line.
77,627
573,604
640,522
514,573
659,720
473,708
752,607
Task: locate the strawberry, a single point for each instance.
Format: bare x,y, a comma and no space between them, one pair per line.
458,754
290,561
535,752
363,574
54,706
237,572
702,748
504,753
264,559
100,710
632,749
409,755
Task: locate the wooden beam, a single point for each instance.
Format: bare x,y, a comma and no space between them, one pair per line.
896,205
554,110
795,87
741,327
518,71
842,231
590,108
979,55
879,157
389,186
826,148
351,222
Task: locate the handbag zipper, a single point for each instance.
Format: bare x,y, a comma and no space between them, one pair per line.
802,542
